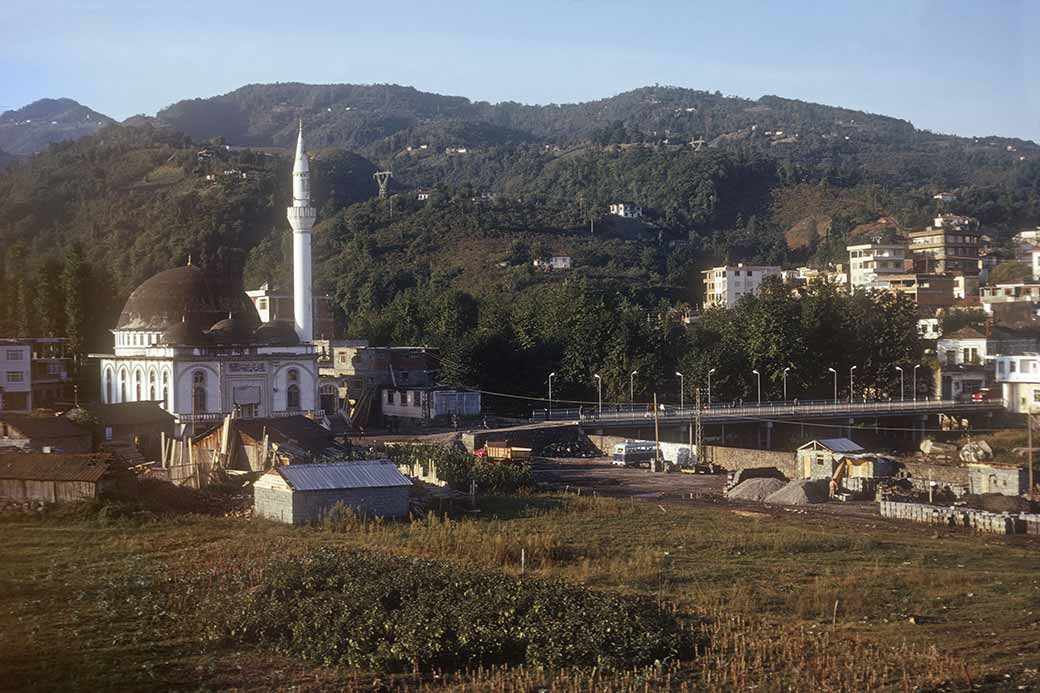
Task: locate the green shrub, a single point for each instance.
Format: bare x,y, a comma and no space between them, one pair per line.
394,614
458,468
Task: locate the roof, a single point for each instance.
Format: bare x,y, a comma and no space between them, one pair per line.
342,475
40,467
186,294
966,332
304,432
130,413
835,445
44,426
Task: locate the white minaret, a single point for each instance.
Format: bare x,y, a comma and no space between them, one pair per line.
301,218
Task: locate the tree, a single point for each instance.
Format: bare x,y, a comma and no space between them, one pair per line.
50,299
76,282
1010,273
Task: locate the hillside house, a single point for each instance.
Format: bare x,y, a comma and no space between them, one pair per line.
55,478
626,210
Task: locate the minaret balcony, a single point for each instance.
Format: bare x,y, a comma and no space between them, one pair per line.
301,214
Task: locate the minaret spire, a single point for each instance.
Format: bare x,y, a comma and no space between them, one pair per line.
301,218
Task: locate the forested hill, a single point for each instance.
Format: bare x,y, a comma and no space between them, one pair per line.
31,128
362,116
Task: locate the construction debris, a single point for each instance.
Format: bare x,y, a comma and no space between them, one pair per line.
801,492
755,489
931,447
976,451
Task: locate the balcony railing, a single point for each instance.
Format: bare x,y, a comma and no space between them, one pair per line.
211,417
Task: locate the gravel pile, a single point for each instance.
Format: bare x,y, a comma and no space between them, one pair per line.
755,489
802,492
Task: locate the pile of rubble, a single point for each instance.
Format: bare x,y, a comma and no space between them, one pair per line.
573,448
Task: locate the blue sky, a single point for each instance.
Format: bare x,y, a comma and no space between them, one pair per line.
970,68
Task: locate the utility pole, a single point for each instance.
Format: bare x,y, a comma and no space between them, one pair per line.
1029,428
657,439
702,453
382,179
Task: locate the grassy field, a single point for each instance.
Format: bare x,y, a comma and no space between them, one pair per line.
788,602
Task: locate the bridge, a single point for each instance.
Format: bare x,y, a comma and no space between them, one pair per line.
621,416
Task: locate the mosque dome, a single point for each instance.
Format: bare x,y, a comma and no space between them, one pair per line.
185,295
276,333
231,330
183,333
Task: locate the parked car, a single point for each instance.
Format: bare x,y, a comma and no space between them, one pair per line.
984,394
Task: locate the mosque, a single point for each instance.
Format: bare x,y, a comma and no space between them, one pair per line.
193,341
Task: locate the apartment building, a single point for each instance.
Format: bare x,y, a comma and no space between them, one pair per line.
871,262
952,245
724,286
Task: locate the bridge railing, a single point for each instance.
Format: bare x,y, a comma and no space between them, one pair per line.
729,410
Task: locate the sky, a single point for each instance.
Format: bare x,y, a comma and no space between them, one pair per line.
967,68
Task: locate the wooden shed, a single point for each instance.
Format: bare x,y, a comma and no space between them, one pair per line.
54,478
818,459
304,493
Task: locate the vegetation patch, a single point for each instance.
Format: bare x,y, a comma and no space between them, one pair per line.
397,614
459,469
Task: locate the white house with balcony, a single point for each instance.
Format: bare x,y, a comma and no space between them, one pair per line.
1019,378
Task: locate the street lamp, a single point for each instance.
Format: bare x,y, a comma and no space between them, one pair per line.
851,389
758,379
551,376
599,390
709,386
915,381
902,397
785,382
632,387
682,387
835,384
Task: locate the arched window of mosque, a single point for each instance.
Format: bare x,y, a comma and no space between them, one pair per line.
151,385
108,385
292,397
198,392
165,389
122,385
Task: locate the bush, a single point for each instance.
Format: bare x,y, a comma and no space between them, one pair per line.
394,614
458,468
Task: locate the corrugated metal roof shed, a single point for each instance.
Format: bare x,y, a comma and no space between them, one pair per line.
840,445
39,467
338,475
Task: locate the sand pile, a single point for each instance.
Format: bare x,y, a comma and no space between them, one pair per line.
755,489
802,492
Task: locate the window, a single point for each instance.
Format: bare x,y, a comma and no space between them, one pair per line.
1012,366
262,304
15,376
1036,396
198,392
389,396
15,354
292,393
151,385
108,385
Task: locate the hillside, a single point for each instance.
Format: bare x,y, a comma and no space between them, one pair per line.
32,128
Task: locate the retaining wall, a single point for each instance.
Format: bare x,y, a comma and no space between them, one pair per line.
734,459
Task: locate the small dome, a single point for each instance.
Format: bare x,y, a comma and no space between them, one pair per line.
183,333
278,333
231,330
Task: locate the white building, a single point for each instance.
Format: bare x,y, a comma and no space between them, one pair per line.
556,262
626,210
426,404
1019,377
1000,294
870,262
15,376
723,286
1035,257
929,328
192,341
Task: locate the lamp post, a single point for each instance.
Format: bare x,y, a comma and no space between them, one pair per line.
915,381
599,391
709,386
851,389
551,376
632,386
758,379
785,382
835,384
682,387
902,397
